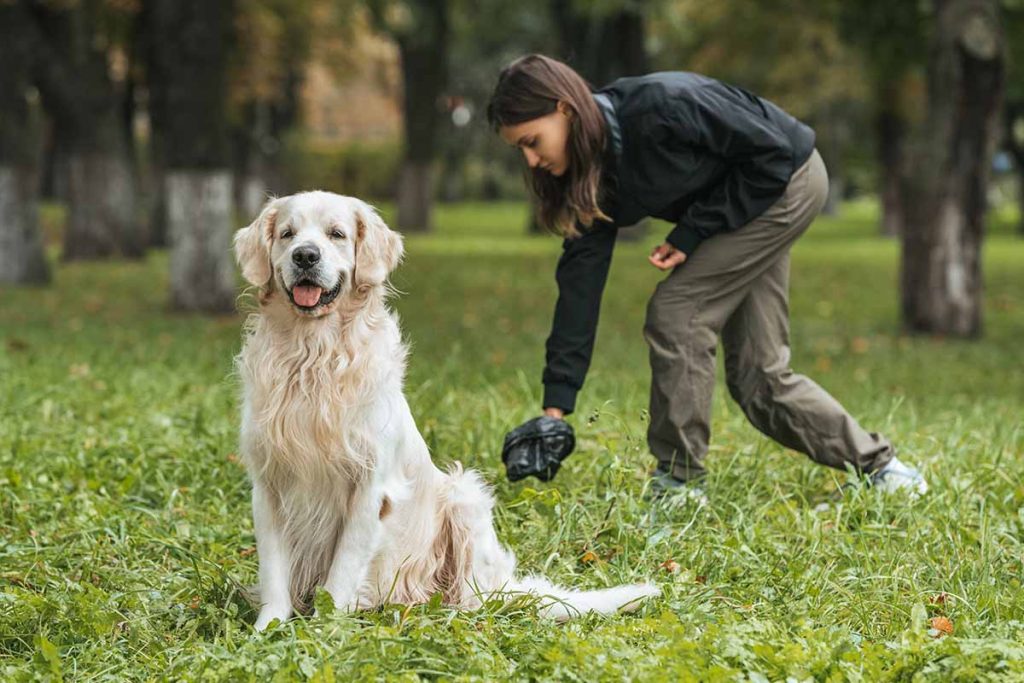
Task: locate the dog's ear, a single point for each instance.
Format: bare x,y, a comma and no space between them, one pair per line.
378,248
252,245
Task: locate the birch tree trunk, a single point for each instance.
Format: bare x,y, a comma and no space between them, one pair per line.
22,260
71,70
941,276
199,220
187,67
891,134
424,57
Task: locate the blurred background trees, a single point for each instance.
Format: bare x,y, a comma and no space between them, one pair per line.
159,123
21,246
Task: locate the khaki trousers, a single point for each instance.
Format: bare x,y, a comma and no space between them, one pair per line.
735,286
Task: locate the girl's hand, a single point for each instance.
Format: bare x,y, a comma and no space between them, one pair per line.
554,412
666,257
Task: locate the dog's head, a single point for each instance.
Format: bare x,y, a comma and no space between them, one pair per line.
316,247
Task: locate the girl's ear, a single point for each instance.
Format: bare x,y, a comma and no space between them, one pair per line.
252,245
564,108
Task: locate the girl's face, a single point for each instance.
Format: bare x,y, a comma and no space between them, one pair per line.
543,140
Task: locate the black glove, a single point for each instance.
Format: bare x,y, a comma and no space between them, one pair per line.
537,447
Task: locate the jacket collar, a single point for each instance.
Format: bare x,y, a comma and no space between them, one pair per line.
604,103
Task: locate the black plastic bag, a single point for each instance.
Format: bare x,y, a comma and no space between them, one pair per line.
537,448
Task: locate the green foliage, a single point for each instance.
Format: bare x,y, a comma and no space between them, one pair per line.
790,52
126,540
362,169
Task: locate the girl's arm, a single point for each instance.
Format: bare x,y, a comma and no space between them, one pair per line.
581,275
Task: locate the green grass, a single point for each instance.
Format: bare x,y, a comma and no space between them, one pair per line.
125,530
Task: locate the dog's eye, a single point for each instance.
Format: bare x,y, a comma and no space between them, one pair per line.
337,234
287,233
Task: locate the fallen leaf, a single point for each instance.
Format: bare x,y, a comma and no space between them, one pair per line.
939,599
588,557
942,627
246,552
670,566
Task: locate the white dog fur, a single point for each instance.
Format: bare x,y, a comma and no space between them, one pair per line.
345,495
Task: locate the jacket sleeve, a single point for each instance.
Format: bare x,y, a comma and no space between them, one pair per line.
581,275
760,157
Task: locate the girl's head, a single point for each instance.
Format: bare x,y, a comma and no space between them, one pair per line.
544,108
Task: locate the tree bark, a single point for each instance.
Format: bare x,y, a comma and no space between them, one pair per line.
258,141
891,134
1020,197
187,65
101,206
22,259
1014,114
424,56
71,70
199,217
941,277
599,44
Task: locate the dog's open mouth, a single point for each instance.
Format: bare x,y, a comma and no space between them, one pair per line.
308,296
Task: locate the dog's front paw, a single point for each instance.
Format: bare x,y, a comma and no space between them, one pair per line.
341,600
271,612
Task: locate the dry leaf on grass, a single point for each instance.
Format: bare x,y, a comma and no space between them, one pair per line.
670,566
941,626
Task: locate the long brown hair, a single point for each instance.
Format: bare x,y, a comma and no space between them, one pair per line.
531,87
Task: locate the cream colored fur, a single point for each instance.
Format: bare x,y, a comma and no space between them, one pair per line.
345,495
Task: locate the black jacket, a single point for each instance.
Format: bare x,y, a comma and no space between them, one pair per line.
684,148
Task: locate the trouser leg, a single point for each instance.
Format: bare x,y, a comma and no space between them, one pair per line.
691,306
789,408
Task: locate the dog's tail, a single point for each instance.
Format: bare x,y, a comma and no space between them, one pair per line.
474,560
562,604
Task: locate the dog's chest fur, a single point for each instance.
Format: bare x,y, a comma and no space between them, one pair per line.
310,391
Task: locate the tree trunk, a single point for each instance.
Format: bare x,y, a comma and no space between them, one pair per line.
415,196
424,57
833,134
891,130
22,260
890,155
257,146
941,261
601,45
1014,111
157,202
1020,197
71,70
199,221
101,207
187,67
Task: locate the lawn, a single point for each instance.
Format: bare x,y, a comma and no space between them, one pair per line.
126,536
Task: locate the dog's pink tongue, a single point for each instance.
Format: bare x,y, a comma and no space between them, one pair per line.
305,295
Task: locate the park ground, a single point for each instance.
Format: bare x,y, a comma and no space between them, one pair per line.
126,536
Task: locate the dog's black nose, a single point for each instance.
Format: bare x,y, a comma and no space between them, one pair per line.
306,257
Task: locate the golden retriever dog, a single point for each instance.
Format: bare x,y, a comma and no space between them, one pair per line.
344,493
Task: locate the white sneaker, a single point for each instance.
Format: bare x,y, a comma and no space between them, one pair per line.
897,476
663,486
